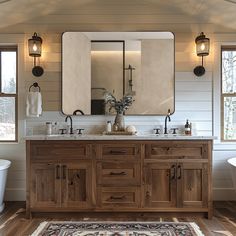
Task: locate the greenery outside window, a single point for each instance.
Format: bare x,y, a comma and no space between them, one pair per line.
228,93
8,94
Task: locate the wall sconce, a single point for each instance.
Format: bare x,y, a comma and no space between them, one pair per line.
35,46
202,50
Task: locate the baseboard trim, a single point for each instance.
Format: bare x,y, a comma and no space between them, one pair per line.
224,194
15,194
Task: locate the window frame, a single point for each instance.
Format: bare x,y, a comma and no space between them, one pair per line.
8,48
224,95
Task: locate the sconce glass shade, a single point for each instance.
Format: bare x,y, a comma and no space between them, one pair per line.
202,45
35,45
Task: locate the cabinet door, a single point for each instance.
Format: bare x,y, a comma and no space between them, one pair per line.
192,184
160,185
77,184
45,185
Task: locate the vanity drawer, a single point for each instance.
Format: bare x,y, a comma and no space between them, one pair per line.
174,150
60,149
126,197
118,173
121,150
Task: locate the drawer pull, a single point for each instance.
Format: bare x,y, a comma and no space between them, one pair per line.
117,198
117,152
158,148
179,172
173,170
58,172
64,171
118,173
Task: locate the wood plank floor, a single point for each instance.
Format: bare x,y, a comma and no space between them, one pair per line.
14,223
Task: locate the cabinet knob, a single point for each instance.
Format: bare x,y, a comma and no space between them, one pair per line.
62,131
79,131
157,131
174,130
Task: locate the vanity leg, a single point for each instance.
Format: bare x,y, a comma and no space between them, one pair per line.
209,214
28,214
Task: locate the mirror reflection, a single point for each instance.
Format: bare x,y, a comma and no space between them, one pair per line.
138,64
107,63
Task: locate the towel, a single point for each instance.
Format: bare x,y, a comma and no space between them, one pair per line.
34,104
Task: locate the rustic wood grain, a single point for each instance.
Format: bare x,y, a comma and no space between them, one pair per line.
69,176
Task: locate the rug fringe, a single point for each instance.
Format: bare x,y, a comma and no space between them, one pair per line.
39,229
196,228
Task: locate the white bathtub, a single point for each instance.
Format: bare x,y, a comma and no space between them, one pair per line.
232,162
4,165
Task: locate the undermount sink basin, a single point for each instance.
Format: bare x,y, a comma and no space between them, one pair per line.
71,136
64,136
166,136
162,135
60,135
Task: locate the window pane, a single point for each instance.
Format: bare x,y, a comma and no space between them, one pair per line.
8,65
229,118
7,118
229,71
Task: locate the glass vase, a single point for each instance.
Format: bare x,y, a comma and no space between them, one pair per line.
120,121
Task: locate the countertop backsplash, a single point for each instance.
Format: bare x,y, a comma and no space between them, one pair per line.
96,124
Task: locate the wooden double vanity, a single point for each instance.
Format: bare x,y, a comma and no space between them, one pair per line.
134,175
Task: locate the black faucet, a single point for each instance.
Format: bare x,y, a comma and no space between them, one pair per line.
167,117
71,124
76,111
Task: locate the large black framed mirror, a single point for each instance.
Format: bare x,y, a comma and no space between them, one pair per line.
138,63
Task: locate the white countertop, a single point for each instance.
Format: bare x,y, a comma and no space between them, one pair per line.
117,137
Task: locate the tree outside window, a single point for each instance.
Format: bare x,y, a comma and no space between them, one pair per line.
8,94
228,93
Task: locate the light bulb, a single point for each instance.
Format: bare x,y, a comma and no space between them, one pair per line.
35,48
202,47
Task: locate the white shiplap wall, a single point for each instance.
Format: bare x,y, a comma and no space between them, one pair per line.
193,102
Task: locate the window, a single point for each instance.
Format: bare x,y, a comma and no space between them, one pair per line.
8,94
228,93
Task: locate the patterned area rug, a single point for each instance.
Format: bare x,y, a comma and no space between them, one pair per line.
117,229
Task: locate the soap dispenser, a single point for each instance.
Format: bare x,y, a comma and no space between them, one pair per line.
108,127
187,128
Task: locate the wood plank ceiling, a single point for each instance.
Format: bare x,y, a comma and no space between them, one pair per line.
24,16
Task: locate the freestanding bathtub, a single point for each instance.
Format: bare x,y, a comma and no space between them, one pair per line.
4,165
232,162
